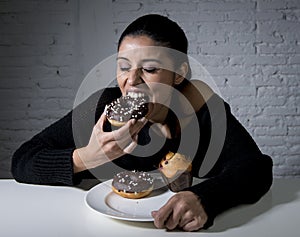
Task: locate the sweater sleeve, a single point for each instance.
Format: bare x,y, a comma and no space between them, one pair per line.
47,158
241,175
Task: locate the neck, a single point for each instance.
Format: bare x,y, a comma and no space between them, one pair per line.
158,114
168,126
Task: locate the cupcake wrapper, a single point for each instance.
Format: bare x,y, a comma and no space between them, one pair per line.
179,182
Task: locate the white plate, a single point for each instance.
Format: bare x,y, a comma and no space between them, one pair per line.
101,199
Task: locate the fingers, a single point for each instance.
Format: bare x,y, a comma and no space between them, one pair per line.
168,216
124,131
183,211
190,222
173,221
120,141
126,137
100,123
154,213
133,125
193,225
131,128
130,147
178,217
161,216
186,218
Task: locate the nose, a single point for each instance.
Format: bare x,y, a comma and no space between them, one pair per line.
134,77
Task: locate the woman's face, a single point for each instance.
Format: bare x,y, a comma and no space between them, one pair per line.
144,69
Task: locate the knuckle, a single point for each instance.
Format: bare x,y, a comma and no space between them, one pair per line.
200,222
101,142
171,223
159,217
186,228
108,146
175,198
182,206
158,223
189,214
170,226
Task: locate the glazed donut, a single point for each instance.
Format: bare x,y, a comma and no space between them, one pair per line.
121,110
132,184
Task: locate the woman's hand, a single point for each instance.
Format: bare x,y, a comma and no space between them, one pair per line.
106,146
183,210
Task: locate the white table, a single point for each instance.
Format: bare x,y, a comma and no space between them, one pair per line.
32,210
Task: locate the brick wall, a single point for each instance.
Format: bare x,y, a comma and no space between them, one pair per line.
38,68
251,49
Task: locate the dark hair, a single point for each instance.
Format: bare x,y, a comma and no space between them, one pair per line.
162,30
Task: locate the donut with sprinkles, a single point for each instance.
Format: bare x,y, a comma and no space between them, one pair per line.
132,184
122,109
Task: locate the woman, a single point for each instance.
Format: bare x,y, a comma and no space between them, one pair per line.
146,66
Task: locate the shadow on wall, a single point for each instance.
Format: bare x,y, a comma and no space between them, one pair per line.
5,169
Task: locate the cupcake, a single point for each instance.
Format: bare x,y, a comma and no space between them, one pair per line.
176,171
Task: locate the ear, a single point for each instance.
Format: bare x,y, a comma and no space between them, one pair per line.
181,73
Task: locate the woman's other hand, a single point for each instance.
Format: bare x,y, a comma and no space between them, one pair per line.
183,210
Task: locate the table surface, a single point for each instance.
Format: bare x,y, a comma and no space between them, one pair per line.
34,210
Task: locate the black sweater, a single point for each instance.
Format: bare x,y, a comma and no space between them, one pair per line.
241,174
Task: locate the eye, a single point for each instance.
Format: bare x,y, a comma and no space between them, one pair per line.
150,69
124,69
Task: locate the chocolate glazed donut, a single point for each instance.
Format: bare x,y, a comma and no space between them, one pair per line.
121,110
132,184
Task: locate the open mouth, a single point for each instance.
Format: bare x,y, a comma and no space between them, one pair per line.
138,95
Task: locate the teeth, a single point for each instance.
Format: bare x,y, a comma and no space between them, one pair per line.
135,95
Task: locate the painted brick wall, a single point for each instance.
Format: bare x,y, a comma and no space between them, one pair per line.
251,48
38,69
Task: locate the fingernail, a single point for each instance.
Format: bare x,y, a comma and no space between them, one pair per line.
133,121
144,120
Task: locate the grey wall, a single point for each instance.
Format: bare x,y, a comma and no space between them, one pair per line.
251,48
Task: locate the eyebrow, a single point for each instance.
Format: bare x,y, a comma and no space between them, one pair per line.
144,60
